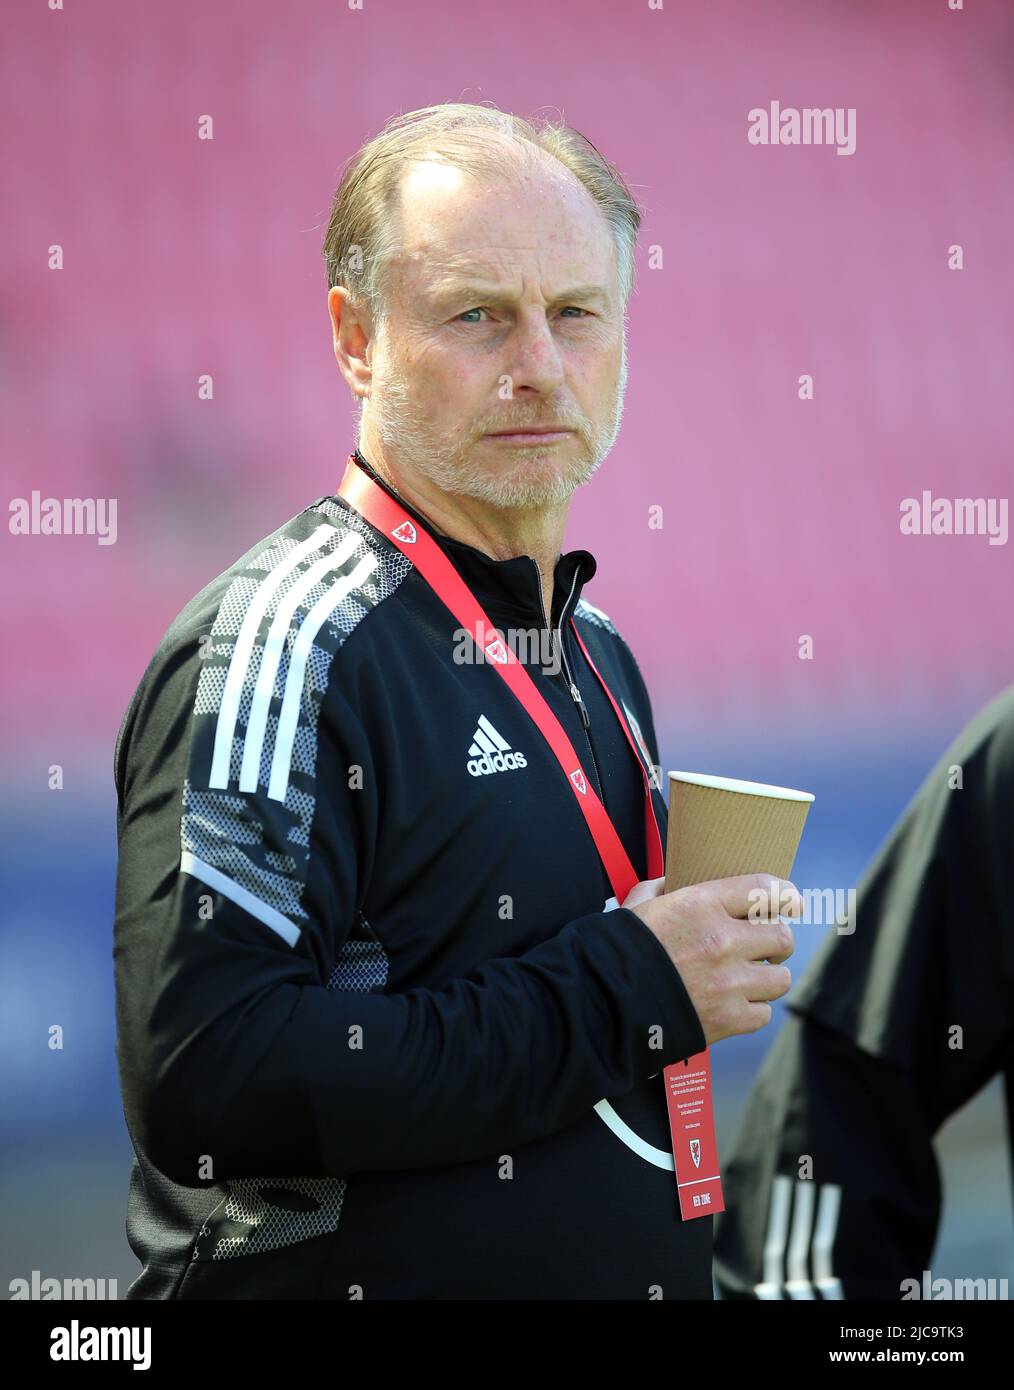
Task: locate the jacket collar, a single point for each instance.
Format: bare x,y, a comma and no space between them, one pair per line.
512,587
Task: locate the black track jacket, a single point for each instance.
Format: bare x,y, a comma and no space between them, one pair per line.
378,1035
832,1189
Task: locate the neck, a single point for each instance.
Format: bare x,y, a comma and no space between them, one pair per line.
499,532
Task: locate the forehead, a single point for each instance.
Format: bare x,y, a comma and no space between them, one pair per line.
536,219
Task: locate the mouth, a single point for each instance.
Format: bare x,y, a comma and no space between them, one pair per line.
549,434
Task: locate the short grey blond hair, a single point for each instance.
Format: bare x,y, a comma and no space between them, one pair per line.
360,232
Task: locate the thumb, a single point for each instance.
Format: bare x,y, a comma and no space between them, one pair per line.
641,892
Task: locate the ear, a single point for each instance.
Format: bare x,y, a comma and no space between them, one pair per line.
352,332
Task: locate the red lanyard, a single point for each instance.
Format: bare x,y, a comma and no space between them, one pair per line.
382,511
687,1084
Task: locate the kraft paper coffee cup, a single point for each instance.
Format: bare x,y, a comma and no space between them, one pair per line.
720,827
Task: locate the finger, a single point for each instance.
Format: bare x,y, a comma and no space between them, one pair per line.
759,896
755,1017
643,891
772,940
766,982
782,942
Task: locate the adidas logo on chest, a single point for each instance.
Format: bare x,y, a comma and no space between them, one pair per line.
490,752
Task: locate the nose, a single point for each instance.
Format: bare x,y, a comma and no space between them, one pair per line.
535,360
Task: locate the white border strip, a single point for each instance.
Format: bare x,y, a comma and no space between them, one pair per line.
274,648
288,718
797,1282
770,1289
242,897
828,1285
660,1157
733,784
229,709
633,1141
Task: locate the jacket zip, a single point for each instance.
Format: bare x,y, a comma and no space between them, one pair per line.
575,694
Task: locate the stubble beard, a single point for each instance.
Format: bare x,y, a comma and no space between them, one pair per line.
527,476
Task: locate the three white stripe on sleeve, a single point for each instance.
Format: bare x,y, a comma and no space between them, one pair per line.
271,656
786,1248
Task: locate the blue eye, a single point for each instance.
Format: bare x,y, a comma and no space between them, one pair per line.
567,309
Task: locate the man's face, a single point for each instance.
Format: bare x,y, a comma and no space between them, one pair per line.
503,312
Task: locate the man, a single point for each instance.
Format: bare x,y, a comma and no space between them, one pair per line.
833,1189
390,1024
